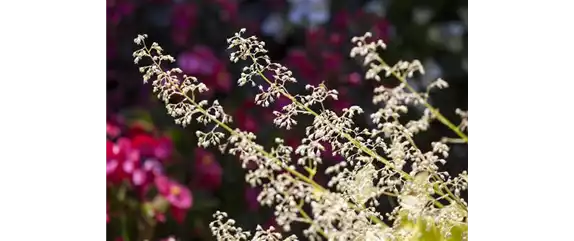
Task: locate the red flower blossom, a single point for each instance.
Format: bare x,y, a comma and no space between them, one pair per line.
112,130
163,148
178,214
202,63
122,160
332,62
314,38
176,194
145,143
298,61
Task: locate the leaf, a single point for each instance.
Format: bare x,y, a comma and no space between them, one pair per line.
139,114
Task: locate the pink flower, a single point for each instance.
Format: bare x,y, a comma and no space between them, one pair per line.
176,194
121,160
145,143
332,62
202,63
150,146
163,148
112,130
209,171
170,238
355,78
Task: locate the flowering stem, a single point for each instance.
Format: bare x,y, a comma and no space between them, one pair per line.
347,136
449,196
433,110
260,150
363,147
309,219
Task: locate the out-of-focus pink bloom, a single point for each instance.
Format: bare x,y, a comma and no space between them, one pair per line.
183,16
178,214
145,143
298,61
112,130
332,61
122,159
183,20
315,37
176,194
336,39
355,78
202,63
382,29
136,129
119,9
163,148
208,170
150,146
171,238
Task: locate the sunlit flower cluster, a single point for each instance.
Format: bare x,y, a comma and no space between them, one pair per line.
379,161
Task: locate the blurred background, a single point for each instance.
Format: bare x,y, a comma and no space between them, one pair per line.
160,185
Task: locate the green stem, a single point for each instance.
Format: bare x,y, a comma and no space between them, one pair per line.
433,110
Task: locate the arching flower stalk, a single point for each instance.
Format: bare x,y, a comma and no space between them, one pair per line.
375,158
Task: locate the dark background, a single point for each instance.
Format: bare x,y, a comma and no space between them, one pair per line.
195,33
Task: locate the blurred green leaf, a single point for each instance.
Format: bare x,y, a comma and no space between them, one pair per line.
432,232
139,117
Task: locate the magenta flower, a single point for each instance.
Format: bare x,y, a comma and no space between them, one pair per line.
121,160
354,78
176,194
